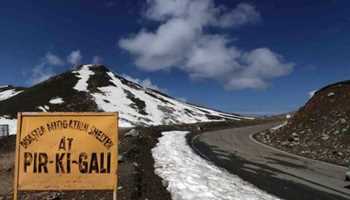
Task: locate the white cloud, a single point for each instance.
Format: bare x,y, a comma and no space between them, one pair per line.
44,69
243,14
146,83
210,57
162,49
41,73
53,59
97,60
74,57
257,67
181,41
202,12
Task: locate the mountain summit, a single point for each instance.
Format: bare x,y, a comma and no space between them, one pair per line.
95,88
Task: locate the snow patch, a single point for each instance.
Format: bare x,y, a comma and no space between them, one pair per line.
279,126
84,74
12,123
132,133
331,94
157,109
57,100
8,94
44,108
190,177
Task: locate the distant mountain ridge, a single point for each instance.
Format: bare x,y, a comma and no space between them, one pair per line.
95,88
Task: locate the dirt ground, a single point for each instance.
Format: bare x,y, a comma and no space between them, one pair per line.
136,178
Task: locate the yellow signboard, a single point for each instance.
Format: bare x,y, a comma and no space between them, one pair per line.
66,151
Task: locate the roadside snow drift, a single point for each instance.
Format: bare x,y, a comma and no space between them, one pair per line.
189,177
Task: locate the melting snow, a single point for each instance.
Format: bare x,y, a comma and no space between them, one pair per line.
8,94
279,126
12,123
159,109
190,177
115,99
57,100
331,94
44,108
84,74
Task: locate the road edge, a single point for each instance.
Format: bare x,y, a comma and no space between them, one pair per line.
251,137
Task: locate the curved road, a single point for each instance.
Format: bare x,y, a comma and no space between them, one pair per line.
282,174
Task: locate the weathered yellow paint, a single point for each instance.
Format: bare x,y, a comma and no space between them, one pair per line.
87,142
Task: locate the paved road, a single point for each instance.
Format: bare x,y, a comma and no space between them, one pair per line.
279,173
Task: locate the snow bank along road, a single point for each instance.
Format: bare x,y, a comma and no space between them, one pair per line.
187,176
276,172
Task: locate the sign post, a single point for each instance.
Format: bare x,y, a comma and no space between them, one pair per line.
66,151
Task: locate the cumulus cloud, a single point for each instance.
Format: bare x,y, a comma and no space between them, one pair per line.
97,60
53,59
182,41
48,64
44,69
146,83
256,68
243,14
41,72
74,57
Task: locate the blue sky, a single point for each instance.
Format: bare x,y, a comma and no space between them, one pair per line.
238,56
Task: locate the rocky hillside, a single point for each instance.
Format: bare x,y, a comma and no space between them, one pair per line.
320,129
96,88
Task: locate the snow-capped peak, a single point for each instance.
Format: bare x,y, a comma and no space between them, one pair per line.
94,88
137,105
